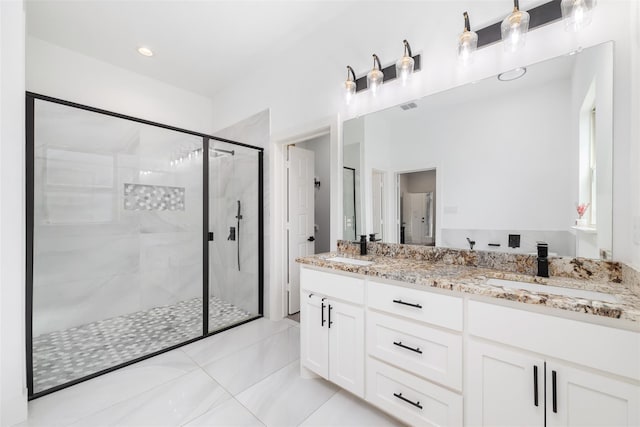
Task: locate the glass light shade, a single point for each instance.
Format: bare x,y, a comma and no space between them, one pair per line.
467,44
577,14
374,80
514,30
349,88
404,68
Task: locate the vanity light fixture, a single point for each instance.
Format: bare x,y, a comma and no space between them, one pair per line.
145,51
577,14
467,42
375,77
404,66
349,85
514,28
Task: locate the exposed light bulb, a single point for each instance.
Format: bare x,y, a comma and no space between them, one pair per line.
349,85
375,77
577,14
467,42
405,65
514,29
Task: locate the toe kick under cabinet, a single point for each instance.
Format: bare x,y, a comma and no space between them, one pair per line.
410,353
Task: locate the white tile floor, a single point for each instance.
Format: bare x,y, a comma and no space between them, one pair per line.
248,376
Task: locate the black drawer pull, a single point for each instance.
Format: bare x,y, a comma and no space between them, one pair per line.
398,301
399,344
535,385
416,404
554,391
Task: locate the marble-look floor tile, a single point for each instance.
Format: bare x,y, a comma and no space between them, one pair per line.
345,409
68,405
225,343
286,399
247,366
229,413
172,404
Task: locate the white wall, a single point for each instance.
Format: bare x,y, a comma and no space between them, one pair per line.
432,28
66,74
322,160
634,158
13,398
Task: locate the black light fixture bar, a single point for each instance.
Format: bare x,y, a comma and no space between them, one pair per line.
539,16
389,74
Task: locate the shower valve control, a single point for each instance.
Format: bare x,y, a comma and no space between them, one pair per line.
232,233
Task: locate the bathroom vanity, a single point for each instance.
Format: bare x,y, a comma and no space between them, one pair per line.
436,337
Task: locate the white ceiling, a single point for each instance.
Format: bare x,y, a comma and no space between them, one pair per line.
203,45
198,45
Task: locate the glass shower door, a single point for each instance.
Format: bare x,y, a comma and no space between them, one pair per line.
234,247
117,242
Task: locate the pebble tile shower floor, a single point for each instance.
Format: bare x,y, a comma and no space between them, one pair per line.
63,356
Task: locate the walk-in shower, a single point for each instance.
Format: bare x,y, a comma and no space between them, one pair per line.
127,251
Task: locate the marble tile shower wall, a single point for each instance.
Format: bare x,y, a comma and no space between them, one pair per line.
94,259
234,178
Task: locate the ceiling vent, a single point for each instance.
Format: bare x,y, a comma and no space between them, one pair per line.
409,106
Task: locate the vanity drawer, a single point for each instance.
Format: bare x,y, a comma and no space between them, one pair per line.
337,286
429,307
411,399
433,354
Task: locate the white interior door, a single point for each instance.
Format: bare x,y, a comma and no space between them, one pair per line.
377,213
301,217
416,212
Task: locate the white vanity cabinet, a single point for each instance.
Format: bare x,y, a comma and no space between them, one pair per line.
524,386
413,362
332,328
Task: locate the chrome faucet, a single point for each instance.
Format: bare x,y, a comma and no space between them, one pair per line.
472,243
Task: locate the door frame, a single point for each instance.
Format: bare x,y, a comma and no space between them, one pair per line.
278,201
31,98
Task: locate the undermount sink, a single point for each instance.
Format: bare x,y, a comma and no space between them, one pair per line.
352,261
555,290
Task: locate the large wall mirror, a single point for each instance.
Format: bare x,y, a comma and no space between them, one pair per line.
499,164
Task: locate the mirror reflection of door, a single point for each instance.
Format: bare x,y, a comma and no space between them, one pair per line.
417,207
349,221
378,201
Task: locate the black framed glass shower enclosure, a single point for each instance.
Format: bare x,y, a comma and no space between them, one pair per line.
141,238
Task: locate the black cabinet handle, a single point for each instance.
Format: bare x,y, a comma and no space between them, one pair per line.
535,385
416,404
554,392
330,322
322,315
398,301
399,344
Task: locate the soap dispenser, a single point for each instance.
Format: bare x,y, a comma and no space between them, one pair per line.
363,244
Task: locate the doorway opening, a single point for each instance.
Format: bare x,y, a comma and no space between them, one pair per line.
308,208
417,203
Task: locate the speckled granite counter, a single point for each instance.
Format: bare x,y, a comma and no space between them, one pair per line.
459,276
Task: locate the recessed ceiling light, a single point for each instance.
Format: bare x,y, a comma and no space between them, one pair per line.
145,51
512,75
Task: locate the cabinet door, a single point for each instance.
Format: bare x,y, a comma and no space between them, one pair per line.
582,398
346,346
314,339
503,387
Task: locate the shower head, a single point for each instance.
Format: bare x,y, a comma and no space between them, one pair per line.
219,152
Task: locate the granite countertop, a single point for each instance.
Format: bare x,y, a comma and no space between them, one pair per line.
473,280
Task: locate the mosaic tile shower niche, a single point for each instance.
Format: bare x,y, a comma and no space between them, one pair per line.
140,197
